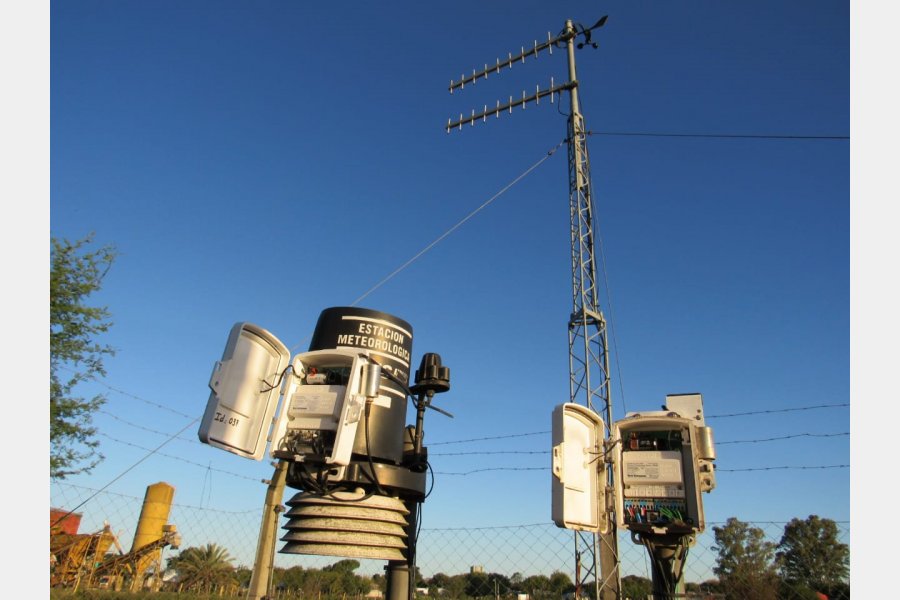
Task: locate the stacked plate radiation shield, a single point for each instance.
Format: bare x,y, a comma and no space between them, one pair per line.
343,525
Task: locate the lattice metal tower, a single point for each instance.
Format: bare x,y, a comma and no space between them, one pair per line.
588,350
596,555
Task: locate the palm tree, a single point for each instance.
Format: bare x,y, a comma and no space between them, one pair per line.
203,568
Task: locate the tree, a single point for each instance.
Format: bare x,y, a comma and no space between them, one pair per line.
810,555
203,568
560,584
636,587
438,584
75,273
744,563
536,586
455,586
348,565
516,580
477,585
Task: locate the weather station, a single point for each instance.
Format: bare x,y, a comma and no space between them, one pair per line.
660,463
334,421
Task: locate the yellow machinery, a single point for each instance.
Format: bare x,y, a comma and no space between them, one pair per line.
146,547
133,566
75,556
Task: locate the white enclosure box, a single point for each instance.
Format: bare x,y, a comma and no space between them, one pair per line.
578,470
245,388
324,403
656,474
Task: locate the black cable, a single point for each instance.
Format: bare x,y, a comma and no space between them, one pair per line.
719,135
780,410
430,489
394,379
278,382
496,437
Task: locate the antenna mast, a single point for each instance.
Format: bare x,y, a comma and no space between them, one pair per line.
589,382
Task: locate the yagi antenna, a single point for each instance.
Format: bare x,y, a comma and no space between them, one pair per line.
562,40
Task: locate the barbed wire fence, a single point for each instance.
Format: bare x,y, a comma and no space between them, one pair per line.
514,551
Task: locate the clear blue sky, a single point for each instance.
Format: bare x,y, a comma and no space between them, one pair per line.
263,161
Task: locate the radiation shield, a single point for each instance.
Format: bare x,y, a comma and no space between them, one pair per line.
578,488
245,387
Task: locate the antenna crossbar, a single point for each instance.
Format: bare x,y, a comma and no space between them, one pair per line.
475,76
508,106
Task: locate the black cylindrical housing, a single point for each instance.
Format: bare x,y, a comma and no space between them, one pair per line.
389,342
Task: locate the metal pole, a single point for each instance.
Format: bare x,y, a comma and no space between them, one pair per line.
400,577
397,579
668,554
265,548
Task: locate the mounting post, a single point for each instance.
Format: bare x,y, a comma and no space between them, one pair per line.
261,579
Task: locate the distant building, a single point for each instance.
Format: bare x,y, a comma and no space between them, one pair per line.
476,569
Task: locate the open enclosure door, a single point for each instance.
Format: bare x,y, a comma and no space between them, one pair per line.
245,392
578,469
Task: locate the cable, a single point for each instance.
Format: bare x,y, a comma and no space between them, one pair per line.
460,223
782,468
484,205
141,427
278,381
430,489
785,437
497,437
516,435
781,410
474,471
124,393
489,453
719,135
184,460
122,474
612,320
494,469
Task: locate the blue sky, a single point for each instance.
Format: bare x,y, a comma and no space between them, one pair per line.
261,162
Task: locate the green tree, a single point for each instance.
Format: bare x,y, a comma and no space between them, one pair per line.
636,588
810,555
455,586
242,575
477,585
536,586
290,578
744,563
348,565
560,584
204,568
75,273
438,584
379,581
